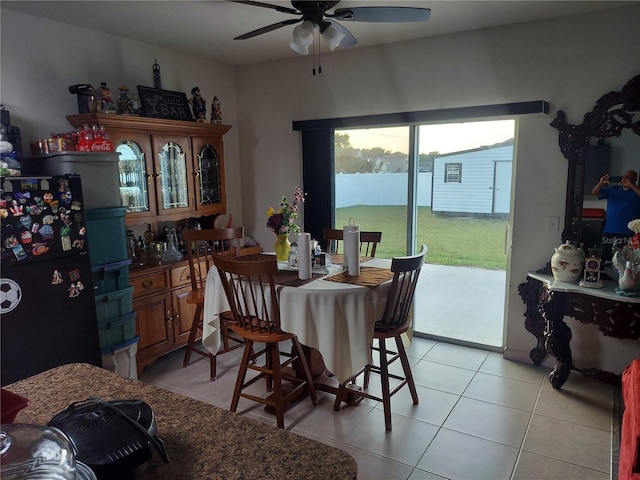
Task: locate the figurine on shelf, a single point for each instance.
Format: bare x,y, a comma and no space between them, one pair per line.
216,111
135,105
626,260
107,103
198,104
125,106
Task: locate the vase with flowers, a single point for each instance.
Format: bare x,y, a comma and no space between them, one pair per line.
283,223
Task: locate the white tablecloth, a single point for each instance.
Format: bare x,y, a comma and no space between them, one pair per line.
335,318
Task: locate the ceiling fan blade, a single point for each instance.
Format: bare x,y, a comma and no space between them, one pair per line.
268,28
382,14
348,41
279,8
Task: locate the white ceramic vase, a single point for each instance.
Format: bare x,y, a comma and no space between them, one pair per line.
628,272
567,263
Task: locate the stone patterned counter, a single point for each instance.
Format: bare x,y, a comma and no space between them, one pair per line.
203,441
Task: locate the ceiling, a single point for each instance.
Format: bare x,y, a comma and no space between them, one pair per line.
207,28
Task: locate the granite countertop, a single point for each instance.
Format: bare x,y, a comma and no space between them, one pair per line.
203,441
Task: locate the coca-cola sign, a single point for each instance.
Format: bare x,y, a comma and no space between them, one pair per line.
104,146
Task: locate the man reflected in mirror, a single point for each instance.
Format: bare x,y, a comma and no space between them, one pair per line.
623,205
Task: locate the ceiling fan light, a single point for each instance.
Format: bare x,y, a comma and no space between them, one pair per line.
303,33
333,37
301,49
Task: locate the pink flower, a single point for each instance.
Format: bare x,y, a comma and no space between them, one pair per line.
283,221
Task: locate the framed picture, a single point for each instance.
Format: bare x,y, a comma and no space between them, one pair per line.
164,104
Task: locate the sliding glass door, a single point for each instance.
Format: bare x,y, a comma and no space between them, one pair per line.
445,185
371,172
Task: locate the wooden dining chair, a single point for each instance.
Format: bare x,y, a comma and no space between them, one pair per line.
394,322
202,246
253,299
368,241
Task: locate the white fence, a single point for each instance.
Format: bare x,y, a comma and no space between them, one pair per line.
380,189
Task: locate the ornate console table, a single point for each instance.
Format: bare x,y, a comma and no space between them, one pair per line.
549,301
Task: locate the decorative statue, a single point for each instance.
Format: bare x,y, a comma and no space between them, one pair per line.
108,105
124,102
198,104
626,261
216,111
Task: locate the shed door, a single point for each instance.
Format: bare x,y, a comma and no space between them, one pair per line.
502,190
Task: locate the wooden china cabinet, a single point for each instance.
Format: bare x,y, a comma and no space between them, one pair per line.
170,170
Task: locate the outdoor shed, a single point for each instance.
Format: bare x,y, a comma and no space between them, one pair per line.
474,181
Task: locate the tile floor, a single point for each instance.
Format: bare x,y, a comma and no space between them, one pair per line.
479,417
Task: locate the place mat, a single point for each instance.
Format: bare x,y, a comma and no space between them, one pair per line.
338,259
289,278
369,277
254,256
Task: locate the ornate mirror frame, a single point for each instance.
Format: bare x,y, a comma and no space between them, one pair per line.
612,114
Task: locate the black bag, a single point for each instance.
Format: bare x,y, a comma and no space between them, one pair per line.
111,437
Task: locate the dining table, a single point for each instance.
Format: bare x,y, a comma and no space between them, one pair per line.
332,313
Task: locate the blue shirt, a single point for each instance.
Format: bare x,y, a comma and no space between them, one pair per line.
622,207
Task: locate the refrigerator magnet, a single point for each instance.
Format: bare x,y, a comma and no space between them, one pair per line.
56,278
66,243
26,221
74,275
19,252
73,291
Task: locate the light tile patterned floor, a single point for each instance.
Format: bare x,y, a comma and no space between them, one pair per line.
479,417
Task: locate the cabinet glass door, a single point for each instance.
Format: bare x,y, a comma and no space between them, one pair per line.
208,176
133,177
173,176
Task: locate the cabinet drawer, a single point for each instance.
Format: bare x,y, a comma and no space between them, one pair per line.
146,284
181,276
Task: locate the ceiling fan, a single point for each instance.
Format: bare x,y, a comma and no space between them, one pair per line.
315,15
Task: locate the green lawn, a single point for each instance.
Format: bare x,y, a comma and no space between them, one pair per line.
472,242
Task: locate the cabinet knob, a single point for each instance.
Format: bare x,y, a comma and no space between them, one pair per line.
169,319
147,284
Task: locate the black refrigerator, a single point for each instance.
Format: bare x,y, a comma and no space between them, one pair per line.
47,307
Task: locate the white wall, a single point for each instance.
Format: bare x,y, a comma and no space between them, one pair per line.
569,62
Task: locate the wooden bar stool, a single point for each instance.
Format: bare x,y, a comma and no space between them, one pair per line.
394,322
253,299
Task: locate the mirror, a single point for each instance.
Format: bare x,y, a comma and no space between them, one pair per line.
614,123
